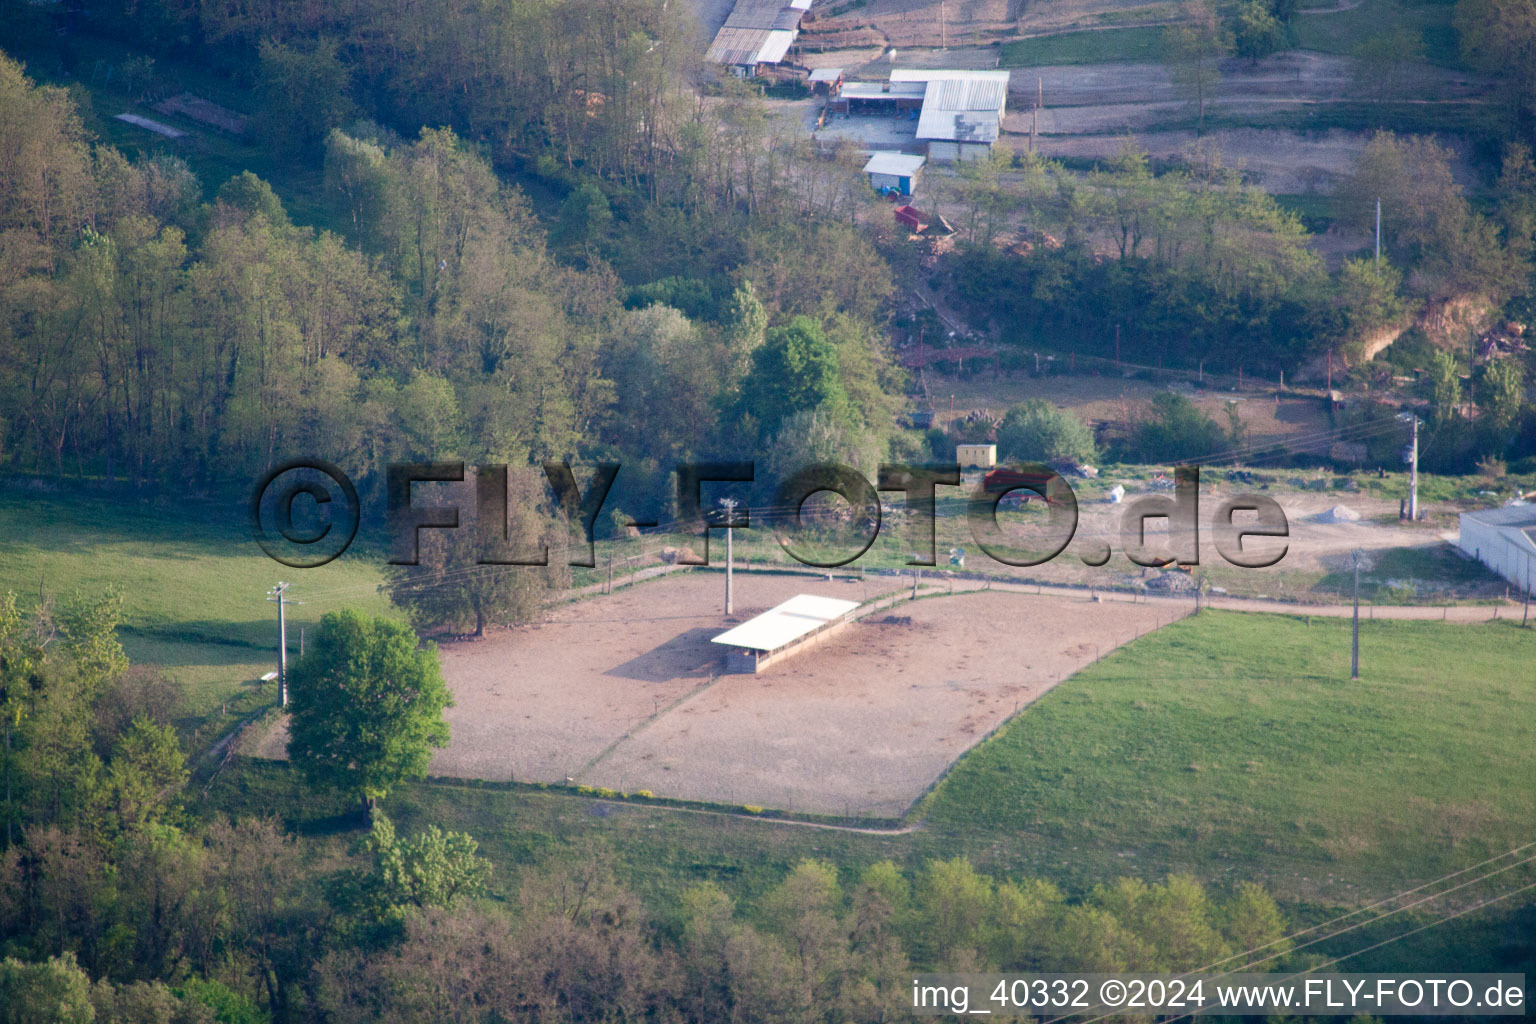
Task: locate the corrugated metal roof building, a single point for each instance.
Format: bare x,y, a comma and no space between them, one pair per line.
791,626
757,32
1503,539
962,112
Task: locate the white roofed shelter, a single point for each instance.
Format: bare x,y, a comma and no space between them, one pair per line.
782,630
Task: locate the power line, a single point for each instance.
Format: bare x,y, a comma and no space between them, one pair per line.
1380,917
1364,909
1366,949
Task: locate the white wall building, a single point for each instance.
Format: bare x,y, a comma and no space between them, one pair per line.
899,171
1502,539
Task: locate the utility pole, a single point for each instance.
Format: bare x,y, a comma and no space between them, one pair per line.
279,596
1354,655
1526,614
943,27
729,504
1034,128
1413,471
1378,231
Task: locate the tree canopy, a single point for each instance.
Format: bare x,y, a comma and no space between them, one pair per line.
366,706
1037,431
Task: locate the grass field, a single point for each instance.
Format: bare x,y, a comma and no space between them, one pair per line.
1338,32
194,584
1102,46
1237,745
1343,31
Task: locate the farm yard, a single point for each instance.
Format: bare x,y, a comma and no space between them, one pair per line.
1294,121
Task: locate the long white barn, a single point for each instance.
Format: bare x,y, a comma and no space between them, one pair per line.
1502,539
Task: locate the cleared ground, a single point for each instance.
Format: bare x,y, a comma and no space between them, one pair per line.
1091,111
623,692
1110,397
865,723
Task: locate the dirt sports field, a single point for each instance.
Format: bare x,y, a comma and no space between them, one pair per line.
624,692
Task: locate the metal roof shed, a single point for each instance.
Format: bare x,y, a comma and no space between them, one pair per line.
784,628
1502,539
757,32
899,171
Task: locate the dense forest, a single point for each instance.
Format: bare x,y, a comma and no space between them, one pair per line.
700,257
157,337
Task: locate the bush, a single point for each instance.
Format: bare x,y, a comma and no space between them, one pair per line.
1175,429
1037,431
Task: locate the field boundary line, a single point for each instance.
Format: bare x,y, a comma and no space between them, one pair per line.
644,724
797,822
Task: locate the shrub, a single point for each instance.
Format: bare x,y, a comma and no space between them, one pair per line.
1175,429
1037,431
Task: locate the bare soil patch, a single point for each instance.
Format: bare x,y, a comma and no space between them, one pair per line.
204,112
624,692
1109,397
865,724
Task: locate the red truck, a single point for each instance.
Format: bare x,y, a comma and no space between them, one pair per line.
1003,481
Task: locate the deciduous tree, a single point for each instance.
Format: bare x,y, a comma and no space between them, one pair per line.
366,707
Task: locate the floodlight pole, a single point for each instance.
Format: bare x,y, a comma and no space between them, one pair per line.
729,504
279,595
1525,612
1354,655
